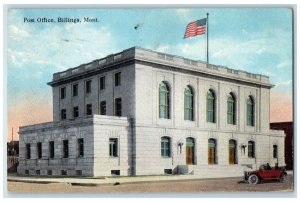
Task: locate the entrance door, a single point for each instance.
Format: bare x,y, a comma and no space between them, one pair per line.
232,152
190,151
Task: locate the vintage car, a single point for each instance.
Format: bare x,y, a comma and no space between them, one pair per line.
265,173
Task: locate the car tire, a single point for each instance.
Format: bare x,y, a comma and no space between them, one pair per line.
253,179
282,178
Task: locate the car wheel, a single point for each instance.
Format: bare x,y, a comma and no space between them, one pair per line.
253,179
283,177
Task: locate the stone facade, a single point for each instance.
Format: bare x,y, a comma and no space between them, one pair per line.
138,131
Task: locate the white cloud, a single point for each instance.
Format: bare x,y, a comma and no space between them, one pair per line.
284,64
284,83
236,53
61,47
17,32
183,13
163,48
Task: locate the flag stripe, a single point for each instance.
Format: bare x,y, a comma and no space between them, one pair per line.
195,28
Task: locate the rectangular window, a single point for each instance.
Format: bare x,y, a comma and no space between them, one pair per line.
38,172
275,151
28,154
39,150
64,172
118,79
165,147
118,107
51,149
49,172
115,172
75,112
80,147
63,114
88,86
89,109
210,111
75,89
63,93
113,147
251,149
102,83
65,148
79,172
168,171
103,107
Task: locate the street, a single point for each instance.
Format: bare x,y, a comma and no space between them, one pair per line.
203,185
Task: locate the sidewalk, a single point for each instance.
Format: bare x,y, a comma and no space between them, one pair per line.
106,180
88,181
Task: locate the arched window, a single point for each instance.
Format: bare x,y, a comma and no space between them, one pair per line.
165,147
232,152
188,104
211,107
212,151
250,111
231,109
251,149
164,101
190,151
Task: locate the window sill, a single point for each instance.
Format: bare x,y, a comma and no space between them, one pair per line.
166,157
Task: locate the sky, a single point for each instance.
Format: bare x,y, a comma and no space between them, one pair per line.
258,40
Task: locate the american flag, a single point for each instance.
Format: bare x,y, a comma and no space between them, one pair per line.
195,28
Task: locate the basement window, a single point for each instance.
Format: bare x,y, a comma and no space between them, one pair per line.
79,172
63,172
168,171
115,172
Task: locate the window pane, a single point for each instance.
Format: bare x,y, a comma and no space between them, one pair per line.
88,86
51,149
65,149
39,150
80,147
163,101
118,107
165,147
275,151
118,79
103,108
251,151
28,152
75,90
113,147
102,83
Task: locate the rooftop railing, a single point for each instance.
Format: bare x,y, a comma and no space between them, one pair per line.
150,55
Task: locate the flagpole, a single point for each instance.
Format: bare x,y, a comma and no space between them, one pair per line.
207,39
